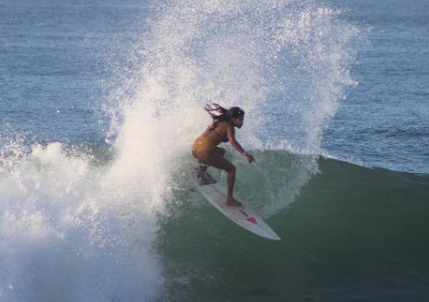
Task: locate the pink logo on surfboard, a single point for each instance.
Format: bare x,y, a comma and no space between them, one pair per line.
252,220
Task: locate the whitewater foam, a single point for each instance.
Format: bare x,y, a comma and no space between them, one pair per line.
61,237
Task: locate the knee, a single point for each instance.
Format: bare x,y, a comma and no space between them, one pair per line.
231,169
222,152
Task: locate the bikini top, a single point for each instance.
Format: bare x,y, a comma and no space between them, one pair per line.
224,139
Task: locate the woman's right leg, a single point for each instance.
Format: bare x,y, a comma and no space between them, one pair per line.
218,161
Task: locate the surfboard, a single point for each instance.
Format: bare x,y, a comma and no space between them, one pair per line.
244,216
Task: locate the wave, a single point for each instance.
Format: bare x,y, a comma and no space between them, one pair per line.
72,228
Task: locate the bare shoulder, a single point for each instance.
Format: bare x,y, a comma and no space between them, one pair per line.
229,128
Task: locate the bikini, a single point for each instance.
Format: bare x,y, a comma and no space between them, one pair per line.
203,148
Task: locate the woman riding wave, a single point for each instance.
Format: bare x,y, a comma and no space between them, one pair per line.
205,148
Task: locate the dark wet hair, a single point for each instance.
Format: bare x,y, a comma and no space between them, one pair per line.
235,112
219,114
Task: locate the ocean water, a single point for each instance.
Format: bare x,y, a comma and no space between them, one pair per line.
385,118
100,102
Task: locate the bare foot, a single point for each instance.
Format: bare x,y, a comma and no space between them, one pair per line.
233,203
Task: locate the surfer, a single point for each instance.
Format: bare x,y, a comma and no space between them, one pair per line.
205,148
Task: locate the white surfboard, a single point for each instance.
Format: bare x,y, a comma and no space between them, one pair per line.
244,216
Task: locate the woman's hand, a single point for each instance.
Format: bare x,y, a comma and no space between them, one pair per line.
249,157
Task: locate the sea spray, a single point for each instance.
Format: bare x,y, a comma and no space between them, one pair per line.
285,62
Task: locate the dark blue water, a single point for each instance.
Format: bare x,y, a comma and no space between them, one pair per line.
384,120
58,64
100,102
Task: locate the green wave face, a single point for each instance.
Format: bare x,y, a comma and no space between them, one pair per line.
351,233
